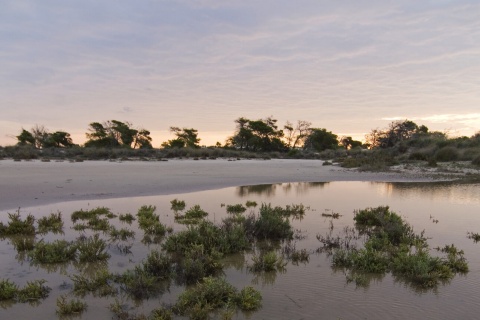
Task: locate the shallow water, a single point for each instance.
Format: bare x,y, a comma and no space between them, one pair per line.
307,291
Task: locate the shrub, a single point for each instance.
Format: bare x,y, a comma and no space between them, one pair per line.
92,249
56,252
8,290
52,223
74,306
33,291
476,161
447,154
17,226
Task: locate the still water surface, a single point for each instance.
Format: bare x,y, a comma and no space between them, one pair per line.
305,291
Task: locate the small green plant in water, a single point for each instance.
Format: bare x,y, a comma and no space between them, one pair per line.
8,289
236,208
52,223
250,204
474,236
177,205
92,249
17,226
33,291
266,262
71,307
58,251
127,217
149,222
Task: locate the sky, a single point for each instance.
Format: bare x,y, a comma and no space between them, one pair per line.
349,66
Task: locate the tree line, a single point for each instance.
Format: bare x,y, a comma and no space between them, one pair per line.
263,135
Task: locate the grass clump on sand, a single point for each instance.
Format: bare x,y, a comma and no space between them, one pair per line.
213,294
392,246
127,217
71,307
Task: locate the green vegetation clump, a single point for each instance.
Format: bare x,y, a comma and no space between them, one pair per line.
149,222
272,224
92,249
52,223
392,246
17,226
476,161
237,208
192,215
122,234
250,204
128,218
71,307
177,205
212,294
474,235
33,291
447,154
266,262
59,251
8,289
89,214
100,284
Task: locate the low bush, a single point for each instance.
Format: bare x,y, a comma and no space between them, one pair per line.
447,154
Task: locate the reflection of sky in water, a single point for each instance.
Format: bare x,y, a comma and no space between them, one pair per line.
315,288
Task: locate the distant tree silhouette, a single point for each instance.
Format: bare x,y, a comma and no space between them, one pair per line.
114,133
320,139
257,135
186,137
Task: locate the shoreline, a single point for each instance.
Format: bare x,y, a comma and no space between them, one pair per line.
30,183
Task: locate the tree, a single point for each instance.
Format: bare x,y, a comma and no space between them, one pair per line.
186,137
114,133
25,138
40,138
320,140
349,143
295,136
396,132
58,139
257,135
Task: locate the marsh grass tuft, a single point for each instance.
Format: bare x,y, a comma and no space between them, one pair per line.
192,215
127,217
59,251
92,249
53,223
250,204
149,222
8,289
33,291
89,214
236,208
177,205
71,307
100,284
17,226
392,246
266,262
212,294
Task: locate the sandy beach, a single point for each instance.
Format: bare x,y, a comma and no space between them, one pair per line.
30,183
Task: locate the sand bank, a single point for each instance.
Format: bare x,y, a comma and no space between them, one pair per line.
30,183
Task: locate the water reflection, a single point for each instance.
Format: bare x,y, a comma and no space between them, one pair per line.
270,190
451,191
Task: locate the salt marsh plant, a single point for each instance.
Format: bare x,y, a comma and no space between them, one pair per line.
8,289
236,208
250,204
192,215
177,205
149,222
99,284
120,234
474,236
17,226
33,291
127,217
92,249
72,307
59,251
158,264
392,246
272,224
212,294
266,262
196,264
52,223
89,214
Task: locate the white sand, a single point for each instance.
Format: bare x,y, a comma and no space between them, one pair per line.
30,183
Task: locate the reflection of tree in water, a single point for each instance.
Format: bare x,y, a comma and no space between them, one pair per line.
269,190
454,190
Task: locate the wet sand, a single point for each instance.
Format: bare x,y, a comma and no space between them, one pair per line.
30,183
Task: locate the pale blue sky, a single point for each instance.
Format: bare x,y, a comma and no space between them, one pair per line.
347,66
